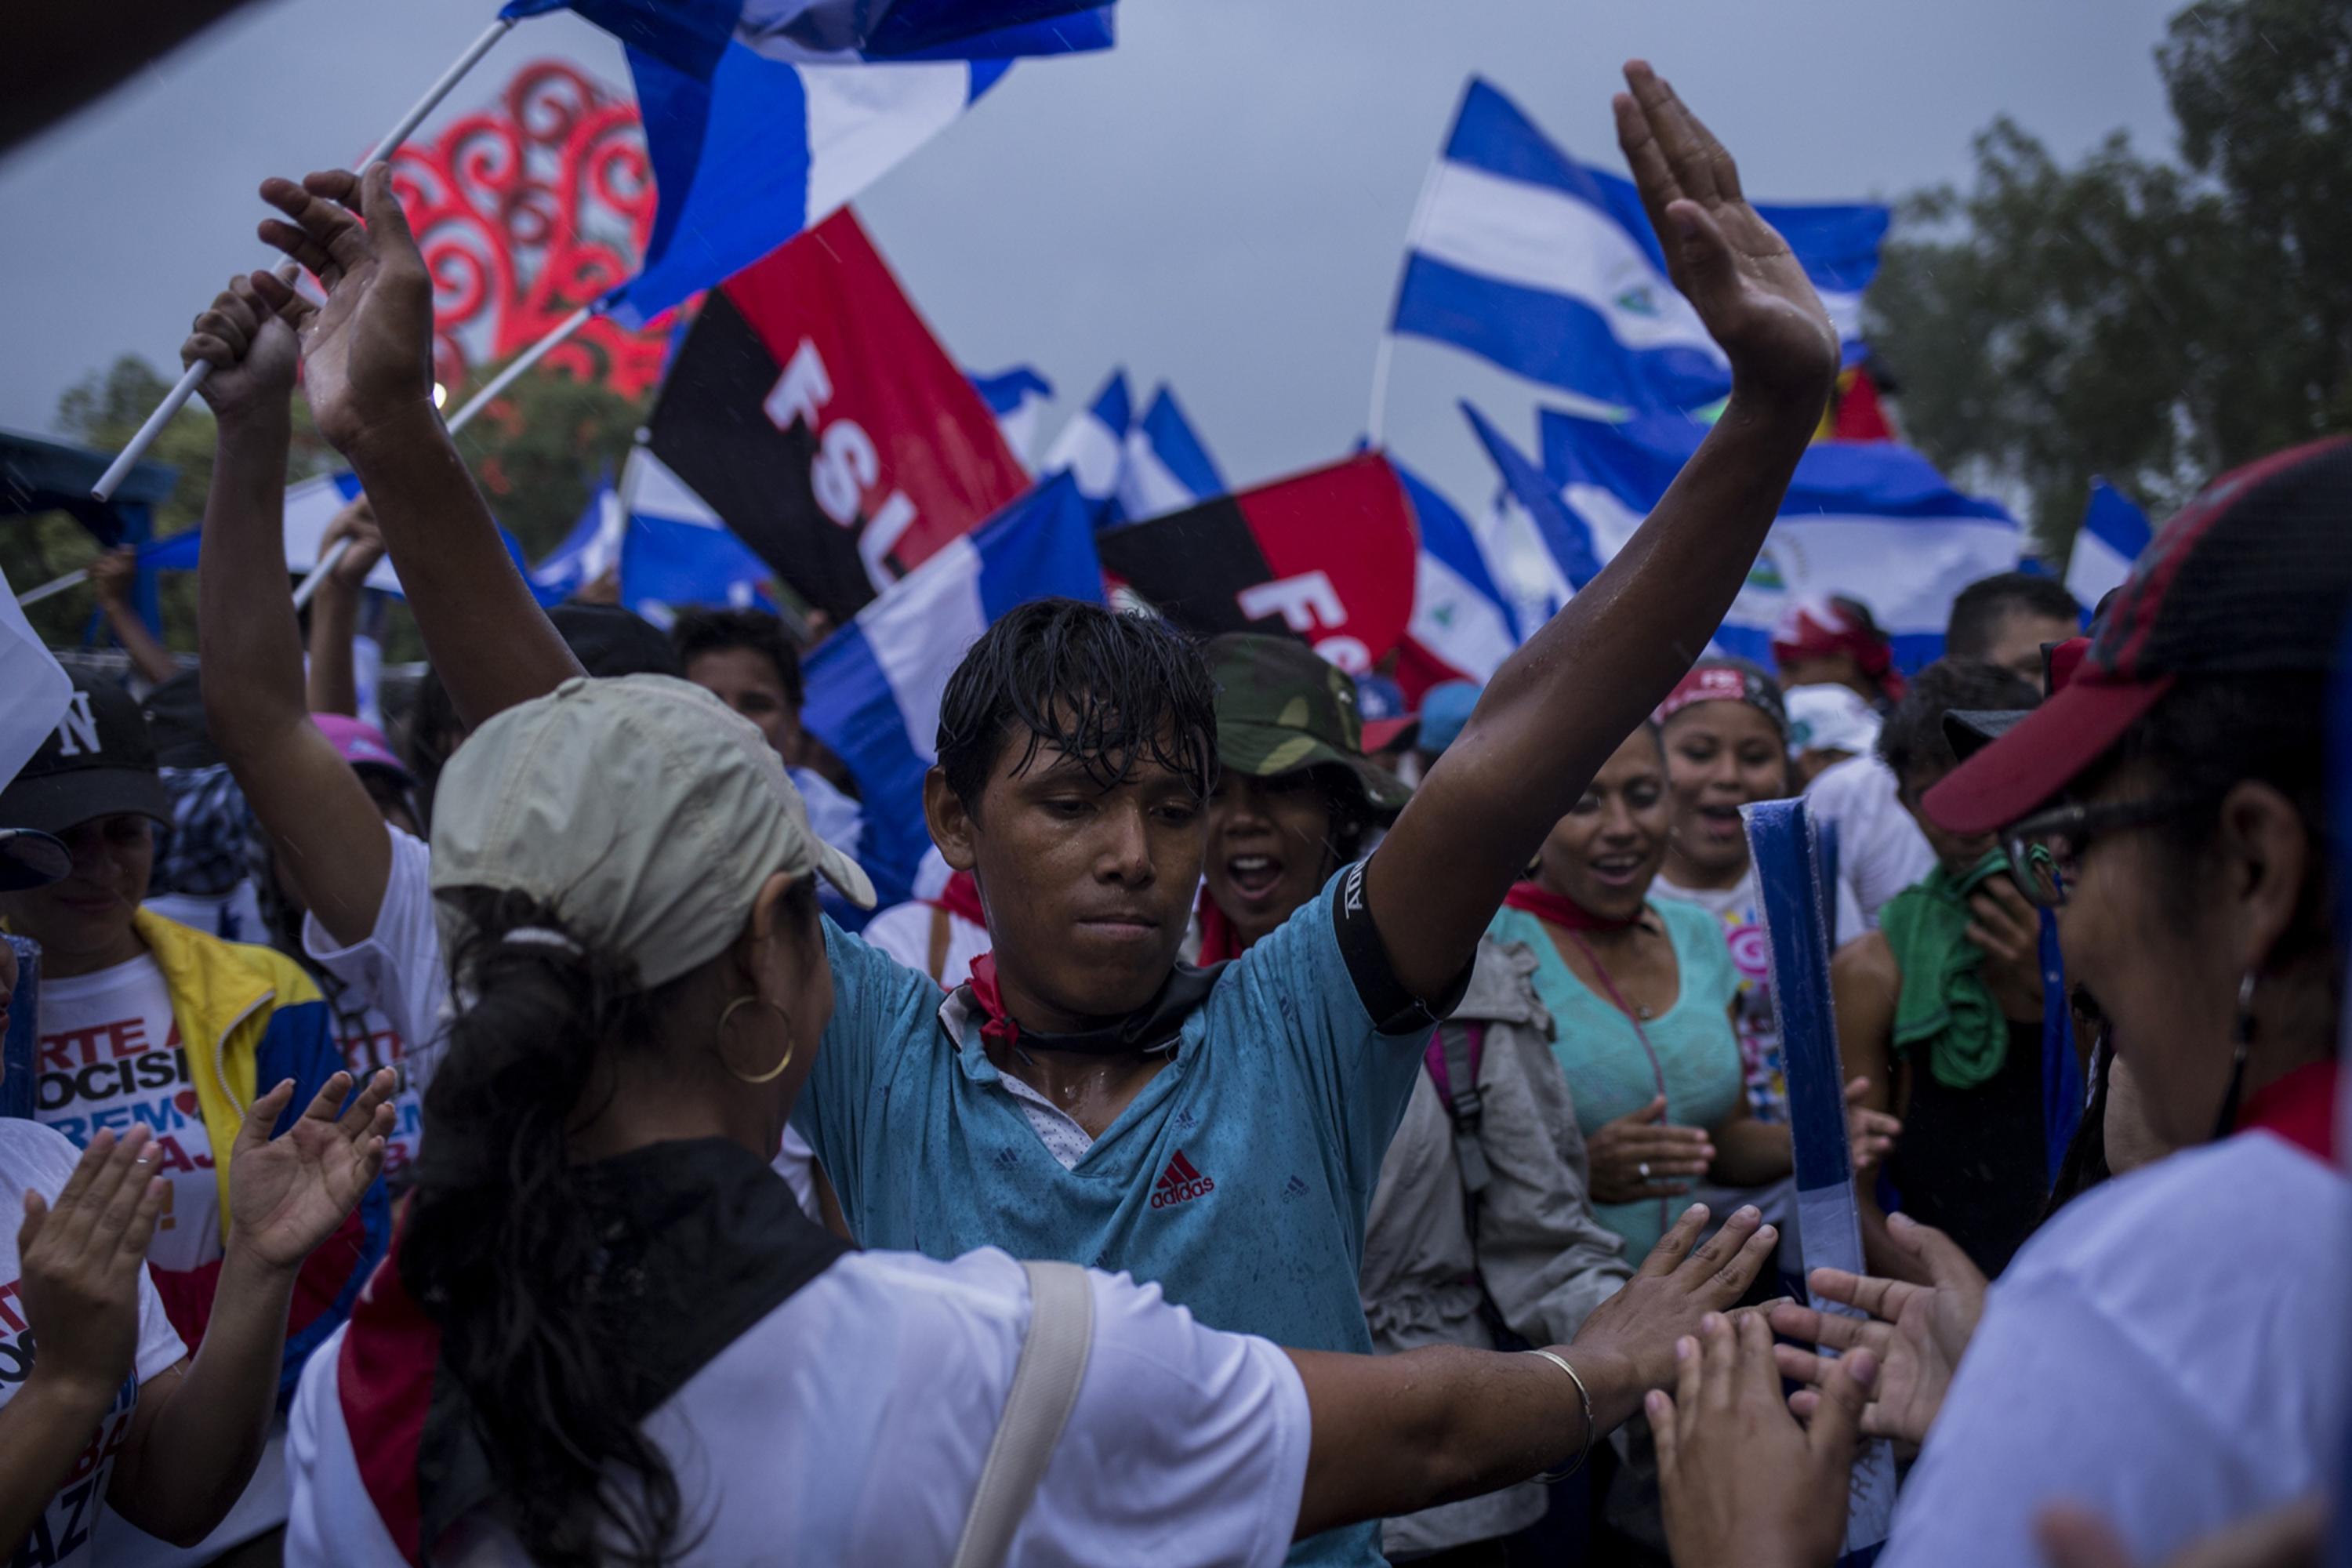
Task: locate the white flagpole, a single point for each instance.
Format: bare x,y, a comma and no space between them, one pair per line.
193,376
1387,332
522,362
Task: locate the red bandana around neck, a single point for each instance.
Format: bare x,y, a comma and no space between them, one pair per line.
961,897
996,1024
1560,909
1219,941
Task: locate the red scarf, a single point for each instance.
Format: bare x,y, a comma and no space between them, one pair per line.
961,897
997,1025
2299,1108
1219,941
1560,909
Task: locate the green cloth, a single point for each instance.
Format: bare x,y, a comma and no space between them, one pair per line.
1945,1003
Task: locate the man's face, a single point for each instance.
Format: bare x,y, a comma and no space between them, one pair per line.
1954,852
2017,642
746,680
1088,890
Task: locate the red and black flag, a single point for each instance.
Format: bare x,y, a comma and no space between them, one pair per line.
1327,556
811,408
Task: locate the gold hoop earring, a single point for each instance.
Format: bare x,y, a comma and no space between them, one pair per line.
791,1044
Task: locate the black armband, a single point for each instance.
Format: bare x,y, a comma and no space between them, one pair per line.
1394,1009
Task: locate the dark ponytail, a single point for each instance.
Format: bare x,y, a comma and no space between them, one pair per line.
504,1252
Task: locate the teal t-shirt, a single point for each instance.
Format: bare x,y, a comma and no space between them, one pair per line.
1238,1179
1611,1073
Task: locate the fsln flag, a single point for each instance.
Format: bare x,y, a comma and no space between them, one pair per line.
690,35
874,687
2113,534
592,549
675,552
1017,397
1092,447
753,139
1326,556
1871,520
1460,629
1548,268
1164,467
812,410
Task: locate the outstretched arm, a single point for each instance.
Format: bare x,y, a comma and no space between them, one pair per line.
327,833
367,370
113,574
1557,708
335,611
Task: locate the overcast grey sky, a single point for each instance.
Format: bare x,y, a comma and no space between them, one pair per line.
1221,201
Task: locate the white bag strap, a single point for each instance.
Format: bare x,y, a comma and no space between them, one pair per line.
1044,1391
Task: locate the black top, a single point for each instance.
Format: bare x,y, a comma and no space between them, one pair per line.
1971,1162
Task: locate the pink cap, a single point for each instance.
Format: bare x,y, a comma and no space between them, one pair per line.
362,744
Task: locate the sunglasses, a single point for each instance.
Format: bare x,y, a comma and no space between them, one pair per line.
2045,849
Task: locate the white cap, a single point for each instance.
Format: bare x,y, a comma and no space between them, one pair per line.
643,812
1830,719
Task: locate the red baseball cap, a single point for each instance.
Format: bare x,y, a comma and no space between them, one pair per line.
2254,576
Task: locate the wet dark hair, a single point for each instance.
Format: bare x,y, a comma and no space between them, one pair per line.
1983,605
503,1246
698,632
1112,690
1913,735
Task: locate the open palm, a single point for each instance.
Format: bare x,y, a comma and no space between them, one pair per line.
288,1194
1919,1332
1735,269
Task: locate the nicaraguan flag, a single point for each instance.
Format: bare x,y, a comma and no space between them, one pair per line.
1017,397
1569,559
1163,466
675,552
592,549
2113,534
1870,518
874,687
1462,627
754,137
310,508
1092,447
1548,268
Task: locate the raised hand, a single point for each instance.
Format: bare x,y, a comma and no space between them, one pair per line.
80,1261
1918,1333
1742,1484
1735,267
1870,1134
1675,1288
355,522
286,1195
112,574
367,357
1637,1156
248,335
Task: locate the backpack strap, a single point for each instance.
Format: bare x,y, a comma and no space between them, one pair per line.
1453,1062
1044,1390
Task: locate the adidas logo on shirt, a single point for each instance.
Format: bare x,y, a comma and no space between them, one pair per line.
1180,1183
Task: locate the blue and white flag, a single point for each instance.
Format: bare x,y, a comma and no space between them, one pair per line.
2113,534
592,549
1092,448
675,554
1869,519
1460,618
874,687
1548,268
310,508
755,136
1529,513
1017,397
1164,467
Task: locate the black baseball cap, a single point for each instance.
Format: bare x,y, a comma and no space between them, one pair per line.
2253,577
98,762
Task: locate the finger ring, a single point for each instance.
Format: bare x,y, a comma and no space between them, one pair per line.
1643,1170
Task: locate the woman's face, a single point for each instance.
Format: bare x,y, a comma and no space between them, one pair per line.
796,977
1720,756
1606,852
83,923
1269,848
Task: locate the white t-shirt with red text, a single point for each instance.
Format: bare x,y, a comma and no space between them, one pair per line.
31,1156
111,1058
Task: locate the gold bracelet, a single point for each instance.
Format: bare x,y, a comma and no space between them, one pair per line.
1584,1397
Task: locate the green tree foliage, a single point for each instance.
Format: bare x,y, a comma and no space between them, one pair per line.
2150,320
538,452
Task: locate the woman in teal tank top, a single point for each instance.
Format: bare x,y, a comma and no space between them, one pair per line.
1641,994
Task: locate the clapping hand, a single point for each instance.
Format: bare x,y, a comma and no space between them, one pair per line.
1735,270
81,1258
288,1194
367,355
1675,1289
1918,1333
1742,1484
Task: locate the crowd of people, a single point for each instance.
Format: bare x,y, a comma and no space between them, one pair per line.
1271,1135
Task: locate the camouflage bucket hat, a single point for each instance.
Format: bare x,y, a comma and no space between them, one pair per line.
1282,707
